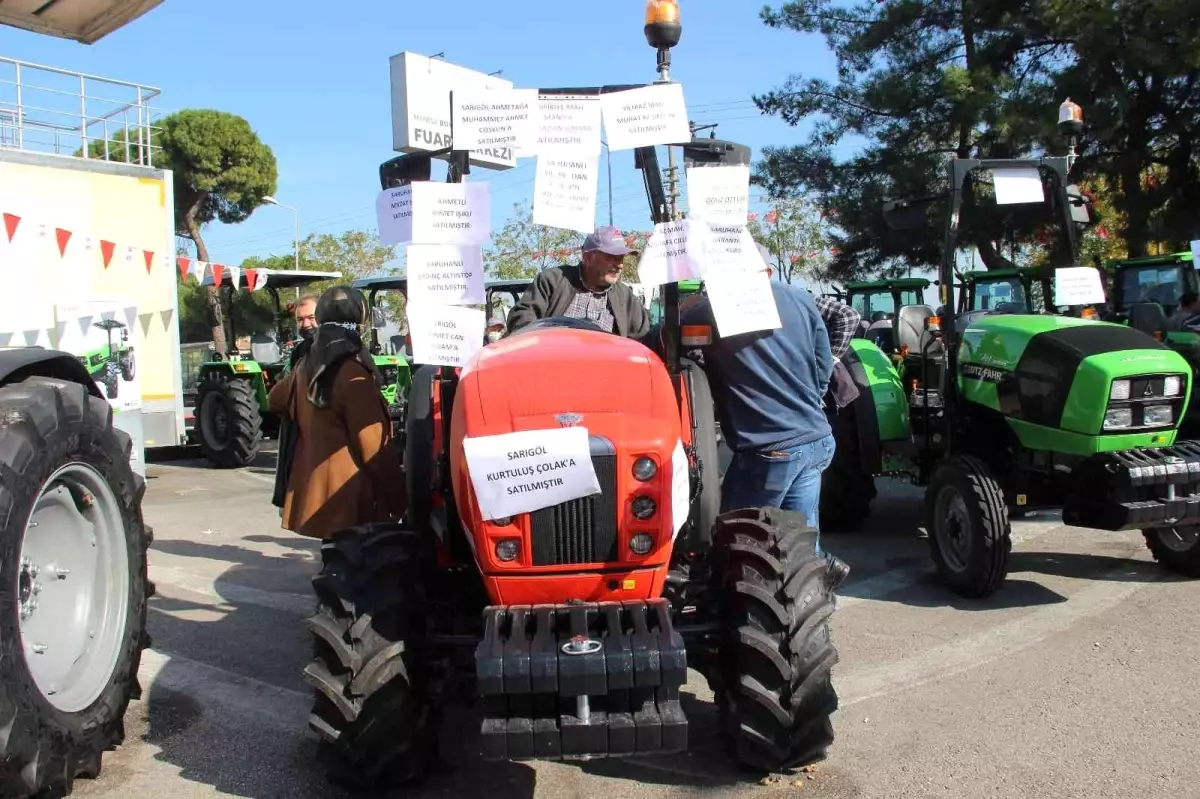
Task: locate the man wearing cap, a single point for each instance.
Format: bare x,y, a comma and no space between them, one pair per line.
589,290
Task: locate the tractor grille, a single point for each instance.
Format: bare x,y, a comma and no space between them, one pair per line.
582,530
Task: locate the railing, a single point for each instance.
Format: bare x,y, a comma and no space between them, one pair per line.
49,110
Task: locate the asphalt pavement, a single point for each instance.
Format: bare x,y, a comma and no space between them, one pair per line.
1077,679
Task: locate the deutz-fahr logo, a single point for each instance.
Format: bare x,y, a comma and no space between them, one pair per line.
988,374
568,419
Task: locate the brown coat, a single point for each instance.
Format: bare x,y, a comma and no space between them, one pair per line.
346,469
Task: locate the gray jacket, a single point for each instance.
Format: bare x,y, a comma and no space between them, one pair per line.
553,291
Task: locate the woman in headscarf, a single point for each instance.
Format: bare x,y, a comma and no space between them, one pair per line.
345,468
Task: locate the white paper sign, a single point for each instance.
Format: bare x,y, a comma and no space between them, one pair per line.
564,192
430,212
568,126
720,195
681,488
732,250
742,302
486,119
676,251
1196,254
647,116
445,335
1078,285
1015,186
445,274
522,472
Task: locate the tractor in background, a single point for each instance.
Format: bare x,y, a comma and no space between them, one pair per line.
877,302
231,415
574,625
1000,411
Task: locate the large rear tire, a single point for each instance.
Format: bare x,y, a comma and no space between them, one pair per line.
773,672
708,499
370,673
73,624
967,521
228,421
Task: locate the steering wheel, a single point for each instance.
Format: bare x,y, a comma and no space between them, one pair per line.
550,322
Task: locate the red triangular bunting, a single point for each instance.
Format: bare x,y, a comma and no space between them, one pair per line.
251,276
10,224
106,250
63,237
218,274
149,256
183,264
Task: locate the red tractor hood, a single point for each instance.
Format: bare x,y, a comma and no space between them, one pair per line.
523,381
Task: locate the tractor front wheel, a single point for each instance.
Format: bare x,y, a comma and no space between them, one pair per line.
1176,548
772,676
370,674
967,522
228,421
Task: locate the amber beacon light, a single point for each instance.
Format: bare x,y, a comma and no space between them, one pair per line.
662,23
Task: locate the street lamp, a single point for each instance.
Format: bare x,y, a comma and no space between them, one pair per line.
269,200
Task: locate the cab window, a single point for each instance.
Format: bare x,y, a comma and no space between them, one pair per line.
992,293
1161,284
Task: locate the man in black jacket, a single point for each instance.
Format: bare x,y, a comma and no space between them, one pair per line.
590,290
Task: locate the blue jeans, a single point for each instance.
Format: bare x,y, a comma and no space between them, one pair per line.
788,480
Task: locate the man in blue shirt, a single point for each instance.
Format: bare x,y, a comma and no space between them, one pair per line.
769,388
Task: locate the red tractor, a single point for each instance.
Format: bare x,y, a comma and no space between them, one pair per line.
574,624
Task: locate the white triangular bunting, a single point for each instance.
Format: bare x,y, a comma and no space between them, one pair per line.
85,324
166,317
130,316
56,337
235,276
108,316
31,337
145,319
5,338
197,269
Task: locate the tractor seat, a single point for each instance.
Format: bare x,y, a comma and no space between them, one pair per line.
265,349
861,330
911,332
883,335
1148,317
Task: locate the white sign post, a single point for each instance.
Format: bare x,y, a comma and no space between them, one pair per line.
645,117
445,335
445,274
568,125
564,192
529,470
435,213
421,88
486,120
1078,285
676,251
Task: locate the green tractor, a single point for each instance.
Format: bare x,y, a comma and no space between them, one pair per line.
877,302
111,363
231,415
1009,411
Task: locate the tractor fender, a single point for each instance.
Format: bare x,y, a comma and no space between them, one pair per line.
18,363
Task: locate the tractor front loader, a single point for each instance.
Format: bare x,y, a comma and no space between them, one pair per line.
573,625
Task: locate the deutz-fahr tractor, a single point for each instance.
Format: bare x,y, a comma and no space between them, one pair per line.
110,364
73,566
993,412
231,401
574,624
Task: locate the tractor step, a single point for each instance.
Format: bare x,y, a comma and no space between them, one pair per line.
1137,489
581,681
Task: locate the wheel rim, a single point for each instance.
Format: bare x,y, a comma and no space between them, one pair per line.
952,527
73,587
214,417
1179,539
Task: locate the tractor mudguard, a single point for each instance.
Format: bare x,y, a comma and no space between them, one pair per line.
581,681
22,362
873,373
1136,489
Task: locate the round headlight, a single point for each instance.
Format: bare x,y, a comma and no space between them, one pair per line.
644,468
641,543
643,508
508,549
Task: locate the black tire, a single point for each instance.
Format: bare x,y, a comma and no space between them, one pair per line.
238,445
370,672
50,424
970,543
1176,549
708,501
773,680
112,382
846,488
128,366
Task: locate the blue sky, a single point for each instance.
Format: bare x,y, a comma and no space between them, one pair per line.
312,79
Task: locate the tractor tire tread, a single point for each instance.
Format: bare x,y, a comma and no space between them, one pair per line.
980,490
245,418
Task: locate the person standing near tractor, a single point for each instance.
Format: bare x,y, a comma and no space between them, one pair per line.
770,389
304,311
589,290
344,469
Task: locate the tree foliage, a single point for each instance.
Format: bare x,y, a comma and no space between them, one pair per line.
522,249
920,81
794,234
